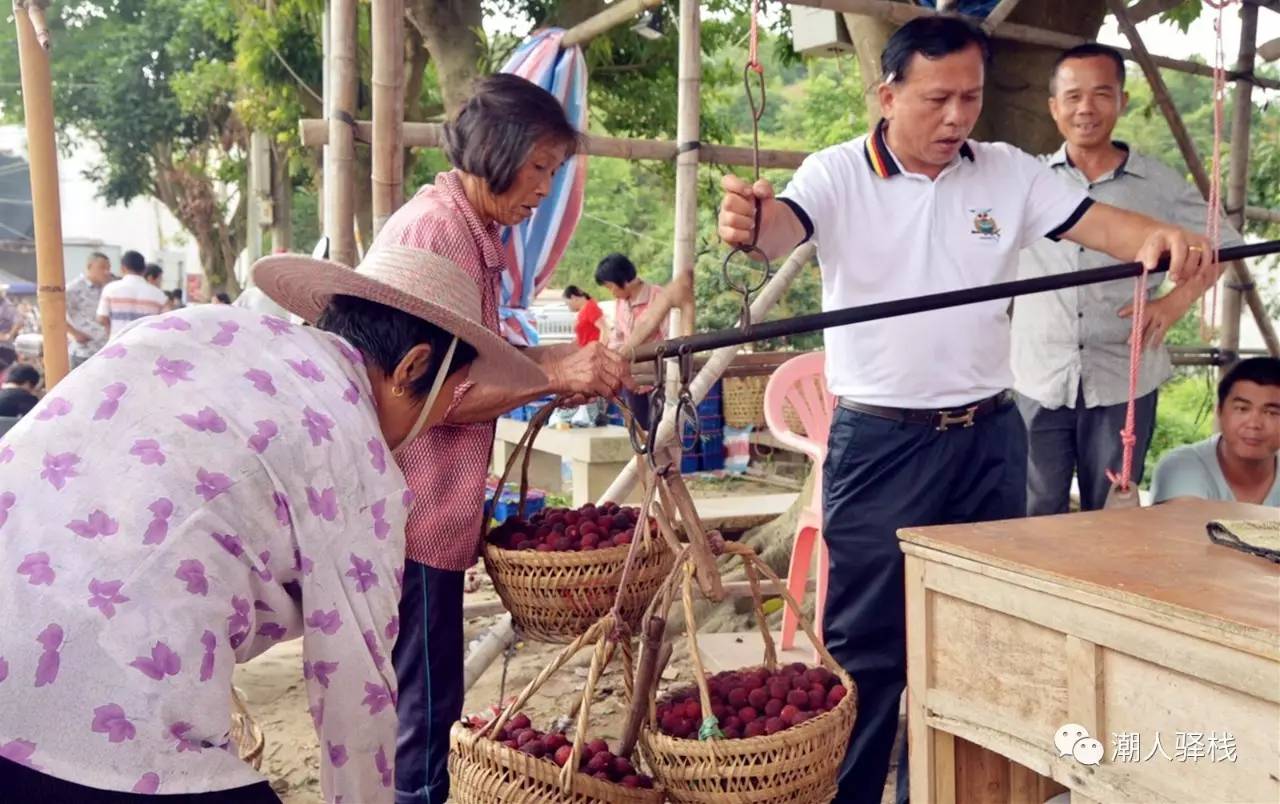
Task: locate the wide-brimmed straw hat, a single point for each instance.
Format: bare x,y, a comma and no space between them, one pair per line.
414,281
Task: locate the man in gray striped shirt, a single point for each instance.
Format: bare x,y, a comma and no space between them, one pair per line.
1071,347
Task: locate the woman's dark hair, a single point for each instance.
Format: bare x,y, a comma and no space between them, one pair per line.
1087,51
933,37
1262,370
573,291
223,297
22,374
615,268
385,335
153,271
496,129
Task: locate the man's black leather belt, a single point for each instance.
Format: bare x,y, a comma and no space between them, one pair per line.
941,420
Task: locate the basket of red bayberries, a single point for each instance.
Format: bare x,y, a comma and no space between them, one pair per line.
764,733
559,571
504,758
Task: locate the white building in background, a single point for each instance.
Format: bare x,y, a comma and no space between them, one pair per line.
90,224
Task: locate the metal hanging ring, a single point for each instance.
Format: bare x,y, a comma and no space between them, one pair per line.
745,288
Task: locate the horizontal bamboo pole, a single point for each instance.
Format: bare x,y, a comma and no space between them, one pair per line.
901,13
314,133
617,14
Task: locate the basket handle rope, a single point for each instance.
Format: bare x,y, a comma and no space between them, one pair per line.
523,451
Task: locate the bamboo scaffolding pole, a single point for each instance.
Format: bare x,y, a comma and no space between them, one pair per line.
340,155
1238,170
716,365
999,14
901,13
387,173
688,111
37,107
1239,270
617,14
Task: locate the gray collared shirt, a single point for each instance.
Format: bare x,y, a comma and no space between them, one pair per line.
1072,341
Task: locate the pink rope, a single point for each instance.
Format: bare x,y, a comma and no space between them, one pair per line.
1128,436
1213,217
753,52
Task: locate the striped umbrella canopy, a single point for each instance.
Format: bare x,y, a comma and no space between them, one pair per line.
533,248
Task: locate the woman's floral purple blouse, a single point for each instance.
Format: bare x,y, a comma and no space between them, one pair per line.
210,484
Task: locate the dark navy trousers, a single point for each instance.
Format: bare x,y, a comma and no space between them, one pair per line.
879,476
428,661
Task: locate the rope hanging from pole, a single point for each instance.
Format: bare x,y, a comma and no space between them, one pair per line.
1213,221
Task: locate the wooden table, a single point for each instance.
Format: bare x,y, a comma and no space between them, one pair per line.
1124,622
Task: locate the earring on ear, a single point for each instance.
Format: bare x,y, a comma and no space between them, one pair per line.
397,391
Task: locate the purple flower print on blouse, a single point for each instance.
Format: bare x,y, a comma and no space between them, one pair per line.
371,642
273,631
57,468
262,605
7,500
352,394
172,372
381,527
179,731
306,369
318,426
362,573
148,784
326,622
320,671
261,380
19,751
238,622
211,484
377,455
6,454
230,542
170,322
377,697
36,567
337,754
206,420
266,430
226,333
105,596
191,572
407,499
301,563
323,504
47,666
162,662
277,325
113,352
393,627
352,355
109,719
95,525
210,642
158,528
53,407
111,396
399,574
148,451
4,668
383,767
264,574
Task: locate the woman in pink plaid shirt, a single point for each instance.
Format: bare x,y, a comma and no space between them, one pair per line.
505,144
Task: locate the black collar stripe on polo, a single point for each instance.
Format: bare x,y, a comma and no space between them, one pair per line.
880,158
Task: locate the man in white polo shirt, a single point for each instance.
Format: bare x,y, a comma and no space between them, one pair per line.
926,432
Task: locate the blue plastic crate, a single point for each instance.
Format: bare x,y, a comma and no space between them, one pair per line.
711,457
508,504
689,463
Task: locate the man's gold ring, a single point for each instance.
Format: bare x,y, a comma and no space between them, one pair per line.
1194,248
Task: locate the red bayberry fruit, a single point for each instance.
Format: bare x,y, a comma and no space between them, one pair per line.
525,735
778,688
512,744
737,697
630,780
623,767
773,707
598,746
835,695
563,753
534,748
758,697
685,727
601,761
571,517
817,675
543,547
555,740
693,710
754,729
788,714
747,714
797,667
622,537
732,733
817,697
774,725
669,723
798,698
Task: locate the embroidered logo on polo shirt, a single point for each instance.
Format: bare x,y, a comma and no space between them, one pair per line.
984,225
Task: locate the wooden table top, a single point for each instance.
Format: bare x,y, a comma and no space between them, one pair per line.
1161,554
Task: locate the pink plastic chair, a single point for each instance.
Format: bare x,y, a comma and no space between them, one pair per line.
801,383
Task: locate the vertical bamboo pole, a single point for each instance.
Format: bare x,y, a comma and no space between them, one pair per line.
387,175
340,157
37,106
1238,178
281,201
688,110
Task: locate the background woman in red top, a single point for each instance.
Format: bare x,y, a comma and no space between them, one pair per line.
591,325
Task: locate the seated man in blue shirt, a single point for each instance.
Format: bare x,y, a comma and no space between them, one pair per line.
1239,463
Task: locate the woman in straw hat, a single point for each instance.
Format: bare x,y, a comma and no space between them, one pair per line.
215,482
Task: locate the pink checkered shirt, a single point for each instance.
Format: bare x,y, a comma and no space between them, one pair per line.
446,467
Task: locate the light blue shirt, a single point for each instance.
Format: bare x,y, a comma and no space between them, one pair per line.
1193,471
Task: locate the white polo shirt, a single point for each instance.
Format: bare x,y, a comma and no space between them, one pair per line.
883,234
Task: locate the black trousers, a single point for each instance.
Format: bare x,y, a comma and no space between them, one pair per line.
22,785
880,476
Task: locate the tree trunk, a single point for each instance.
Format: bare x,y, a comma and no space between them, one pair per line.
281,200
449,29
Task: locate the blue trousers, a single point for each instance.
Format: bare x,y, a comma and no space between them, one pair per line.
428,662
879,476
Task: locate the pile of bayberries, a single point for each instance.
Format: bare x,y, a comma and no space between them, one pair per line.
751,703
560,529
597,760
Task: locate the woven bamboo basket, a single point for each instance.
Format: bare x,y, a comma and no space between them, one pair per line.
555,596
797,766
484,771
743,401
246,735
